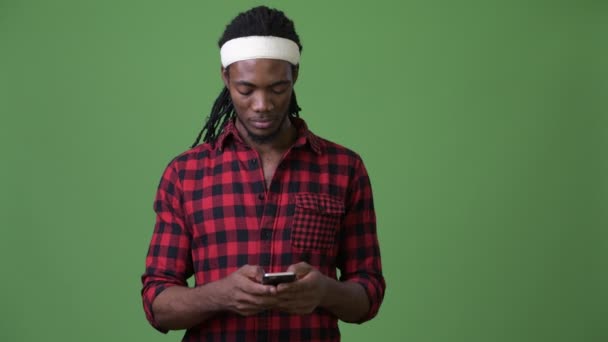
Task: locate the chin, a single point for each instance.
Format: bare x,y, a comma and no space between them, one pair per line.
263,136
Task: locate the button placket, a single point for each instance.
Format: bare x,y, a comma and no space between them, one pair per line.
253,164
266,234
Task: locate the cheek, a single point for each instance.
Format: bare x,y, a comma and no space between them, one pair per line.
238,100
283,101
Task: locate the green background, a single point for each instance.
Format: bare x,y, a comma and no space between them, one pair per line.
483,124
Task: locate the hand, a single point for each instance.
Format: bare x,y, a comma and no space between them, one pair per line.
243,293
306,293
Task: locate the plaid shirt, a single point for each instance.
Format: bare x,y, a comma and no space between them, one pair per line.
214,215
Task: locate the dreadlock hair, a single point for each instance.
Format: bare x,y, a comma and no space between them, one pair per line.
258,21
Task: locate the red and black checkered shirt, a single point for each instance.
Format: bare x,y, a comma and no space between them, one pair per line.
215,214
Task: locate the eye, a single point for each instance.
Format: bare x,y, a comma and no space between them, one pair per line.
244,90
280,89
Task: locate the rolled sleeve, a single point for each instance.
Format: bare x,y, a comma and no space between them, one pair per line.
168,262
360,259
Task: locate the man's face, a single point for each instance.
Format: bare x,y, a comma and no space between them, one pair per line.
261,92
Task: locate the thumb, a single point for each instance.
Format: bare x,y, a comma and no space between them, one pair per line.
253,272
301,269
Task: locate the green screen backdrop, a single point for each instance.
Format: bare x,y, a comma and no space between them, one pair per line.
483,124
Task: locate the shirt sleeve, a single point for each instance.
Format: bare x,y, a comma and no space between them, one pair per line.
168,262
360,251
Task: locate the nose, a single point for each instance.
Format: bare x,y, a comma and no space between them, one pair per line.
262,103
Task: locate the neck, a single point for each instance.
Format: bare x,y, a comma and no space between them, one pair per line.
285,138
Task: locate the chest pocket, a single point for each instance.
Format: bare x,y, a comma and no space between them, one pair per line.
316,221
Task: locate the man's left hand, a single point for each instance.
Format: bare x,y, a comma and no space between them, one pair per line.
304,294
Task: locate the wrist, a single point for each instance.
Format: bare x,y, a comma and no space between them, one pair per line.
212,292
329,292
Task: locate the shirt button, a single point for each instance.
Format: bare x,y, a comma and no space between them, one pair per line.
261,197
266,234
253,162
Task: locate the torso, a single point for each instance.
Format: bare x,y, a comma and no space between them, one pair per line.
270,162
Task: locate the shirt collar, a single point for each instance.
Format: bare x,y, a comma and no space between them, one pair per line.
305,136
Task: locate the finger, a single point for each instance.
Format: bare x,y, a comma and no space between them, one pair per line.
300,269
257,289
259,275
252,271
294,267
286,288
248,301
284,305
250,310
294,308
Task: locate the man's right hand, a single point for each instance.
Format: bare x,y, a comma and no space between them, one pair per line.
243,293
180,307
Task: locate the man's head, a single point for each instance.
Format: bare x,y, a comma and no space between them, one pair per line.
260,57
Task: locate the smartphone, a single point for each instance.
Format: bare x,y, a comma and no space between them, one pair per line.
278,278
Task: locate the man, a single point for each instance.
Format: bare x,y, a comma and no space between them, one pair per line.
262,194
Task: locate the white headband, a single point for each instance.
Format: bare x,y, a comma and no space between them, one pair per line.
254,47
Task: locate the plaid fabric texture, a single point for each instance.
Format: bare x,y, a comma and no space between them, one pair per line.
214,214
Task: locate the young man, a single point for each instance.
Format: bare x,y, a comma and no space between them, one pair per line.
262,194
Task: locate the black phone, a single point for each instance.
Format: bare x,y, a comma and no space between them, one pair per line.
278,278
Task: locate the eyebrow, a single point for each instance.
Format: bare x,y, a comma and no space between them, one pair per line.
249,84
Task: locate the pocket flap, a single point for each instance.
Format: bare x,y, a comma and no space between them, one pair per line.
321,203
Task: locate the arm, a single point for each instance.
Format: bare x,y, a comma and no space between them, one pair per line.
359,260
168,302
168,263
346,300
356,298
180,307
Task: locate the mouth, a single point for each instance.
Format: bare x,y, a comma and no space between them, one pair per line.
262,123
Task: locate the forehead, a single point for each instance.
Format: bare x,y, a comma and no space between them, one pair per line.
261,70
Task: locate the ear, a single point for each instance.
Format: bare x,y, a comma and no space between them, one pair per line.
225,76
295,70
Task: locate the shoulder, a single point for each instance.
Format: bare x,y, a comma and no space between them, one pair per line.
335,150
198,153
340,159
346,166
323,146
189,162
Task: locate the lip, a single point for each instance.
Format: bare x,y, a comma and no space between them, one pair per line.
261,124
